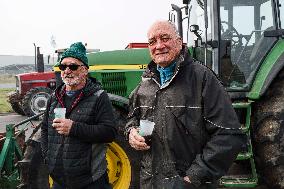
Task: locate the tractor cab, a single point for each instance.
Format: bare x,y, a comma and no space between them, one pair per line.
232,37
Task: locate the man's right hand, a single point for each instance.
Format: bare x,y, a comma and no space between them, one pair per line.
136,141
62,125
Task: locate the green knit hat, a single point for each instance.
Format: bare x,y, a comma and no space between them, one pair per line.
78,51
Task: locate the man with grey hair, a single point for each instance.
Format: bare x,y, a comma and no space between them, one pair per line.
196,134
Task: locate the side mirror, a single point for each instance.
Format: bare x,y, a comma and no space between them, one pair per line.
193,28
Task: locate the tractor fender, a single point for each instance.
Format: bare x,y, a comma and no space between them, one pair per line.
277,67
269,70
117,98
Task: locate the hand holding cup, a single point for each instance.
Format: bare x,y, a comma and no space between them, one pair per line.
60,123
146,129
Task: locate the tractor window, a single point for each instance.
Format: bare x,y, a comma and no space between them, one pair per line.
196,18
243,45
198,39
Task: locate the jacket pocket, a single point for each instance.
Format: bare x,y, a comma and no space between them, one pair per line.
183,130
188,116
187,119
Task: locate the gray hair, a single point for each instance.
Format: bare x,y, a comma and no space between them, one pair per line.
167,22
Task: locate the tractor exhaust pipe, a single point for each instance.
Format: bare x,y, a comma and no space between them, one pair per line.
35,56
40,62
179,19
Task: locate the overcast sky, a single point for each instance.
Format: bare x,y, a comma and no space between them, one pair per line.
102,24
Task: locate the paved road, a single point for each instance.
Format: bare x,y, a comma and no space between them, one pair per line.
14,118
7,85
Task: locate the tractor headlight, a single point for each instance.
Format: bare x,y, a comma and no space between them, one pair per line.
18,86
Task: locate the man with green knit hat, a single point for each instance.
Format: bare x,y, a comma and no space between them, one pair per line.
74,143
78,51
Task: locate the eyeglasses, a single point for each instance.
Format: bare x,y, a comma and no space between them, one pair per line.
72,67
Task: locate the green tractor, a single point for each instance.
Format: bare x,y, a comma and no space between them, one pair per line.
242,42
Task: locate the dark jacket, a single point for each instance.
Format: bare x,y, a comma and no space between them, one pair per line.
82,153
196,128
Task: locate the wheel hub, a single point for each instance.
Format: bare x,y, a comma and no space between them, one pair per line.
38,102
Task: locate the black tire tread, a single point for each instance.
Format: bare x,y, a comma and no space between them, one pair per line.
17,108
268,134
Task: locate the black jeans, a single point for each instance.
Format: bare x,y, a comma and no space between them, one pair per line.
101,183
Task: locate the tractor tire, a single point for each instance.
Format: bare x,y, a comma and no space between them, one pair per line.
133,155
268,134
17,107
35,100
15,101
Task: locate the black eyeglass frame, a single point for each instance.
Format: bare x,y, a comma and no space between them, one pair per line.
72,67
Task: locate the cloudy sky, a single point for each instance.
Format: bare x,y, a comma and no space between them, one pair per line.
102,24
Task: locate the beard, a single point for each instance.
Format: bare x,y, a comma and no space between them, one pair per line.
71,80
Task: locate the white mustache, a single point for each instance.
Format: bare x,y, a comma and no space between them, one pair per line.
68,76
160,53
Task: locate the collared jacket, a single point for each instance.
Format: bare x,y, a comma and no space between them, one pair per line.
197,133
83,151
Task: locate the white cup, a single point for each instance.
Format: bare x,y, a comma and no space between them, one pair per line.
146,127
59,112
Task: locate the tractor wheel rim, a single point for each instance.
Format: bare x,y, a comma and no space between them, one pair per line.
119,168
39,101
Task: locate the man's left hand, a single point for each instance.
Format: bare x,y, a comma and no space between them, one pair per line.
62,126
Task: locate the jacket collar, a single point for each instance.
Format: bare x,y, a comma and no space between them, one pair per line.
183,59
91,87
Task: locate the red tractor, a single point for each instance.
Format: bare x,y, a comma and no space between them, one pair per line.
32,89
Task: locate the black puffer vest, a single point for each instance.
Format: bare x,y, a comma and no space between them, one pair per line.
83,154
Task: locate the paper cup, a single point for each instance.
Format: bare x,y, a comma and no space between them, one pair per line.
59,112
146,127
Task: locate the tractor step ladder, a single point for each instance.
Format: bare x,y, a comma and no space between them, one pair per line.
249,180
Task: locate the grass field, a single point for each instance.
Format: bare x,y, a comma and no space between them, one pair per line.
5,106
7,79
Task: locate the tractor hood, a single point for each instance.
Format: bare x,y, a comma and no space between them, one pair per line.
118,59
